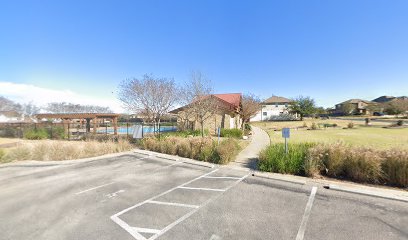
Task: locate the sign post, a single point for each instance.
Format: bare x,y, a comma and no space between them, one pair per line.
219,133
286,135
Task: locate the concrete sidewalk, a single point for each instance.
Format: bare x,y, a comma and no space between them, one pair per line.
249,156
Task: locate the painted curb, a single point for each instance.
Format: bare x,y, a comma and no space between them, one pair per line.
364,192
278,178
175,158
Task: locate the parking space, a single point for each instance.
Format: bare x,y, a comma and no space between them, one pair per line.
141,197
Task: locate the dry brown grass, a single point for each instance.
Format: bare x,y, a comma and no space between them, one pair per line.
45,150
203,149
360,164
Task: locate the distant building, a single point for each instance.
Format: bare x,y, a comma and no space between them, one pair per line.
10,116
274,107
227,115
383,99
354,106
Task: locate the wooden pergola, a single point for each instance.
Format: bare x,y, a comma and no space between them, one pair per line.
67,117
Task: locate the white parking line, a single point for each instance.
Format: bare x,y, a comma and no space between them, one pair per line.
234,178
87,190
173,204
203,189
135,231
194,211
132,230
302,228
146,230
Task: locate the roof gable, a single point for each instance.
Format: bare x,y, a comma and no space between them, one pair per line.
277,99
231,98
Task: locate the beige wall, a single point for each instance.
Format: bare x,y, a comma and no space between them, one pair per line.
211,124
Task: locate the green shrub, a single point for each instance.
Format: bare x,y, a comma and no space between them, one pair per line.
9,132
232,133
338,160
2,154
208,153
327,125
36,133
56,133
400,123
247,127
274,158
350,125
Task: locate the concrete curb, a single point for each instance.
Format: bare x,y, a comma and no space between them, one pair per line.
279,177
367,192
63,162
175,158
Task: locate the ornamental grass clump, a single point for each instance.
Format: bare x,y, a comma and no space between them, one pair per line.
203,149
274,158
45,150
395,167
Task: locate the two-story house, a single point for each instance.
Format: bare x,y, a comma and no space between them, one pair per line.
273,107
354,106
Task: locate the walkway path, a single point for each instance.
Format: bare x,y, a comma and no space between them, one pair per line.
249,156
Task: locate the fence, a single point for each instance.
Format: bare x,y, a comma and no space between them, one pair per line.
77,130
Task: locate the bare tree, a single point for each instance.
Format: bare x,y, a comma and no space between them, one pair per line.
149,96
7,105
29,109
251,105
201,105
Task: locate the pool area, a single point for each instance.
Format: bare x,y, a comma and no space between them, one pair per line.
130,129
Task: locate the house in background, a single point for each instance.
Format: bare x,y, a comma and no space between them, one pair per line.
274,107
10,116
384,99
227,115
354,106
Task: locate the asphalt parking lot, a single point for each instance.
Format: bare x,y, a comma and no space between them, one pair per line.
140,197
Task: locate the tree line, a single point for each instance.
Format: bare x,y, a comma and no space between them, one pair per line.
29,109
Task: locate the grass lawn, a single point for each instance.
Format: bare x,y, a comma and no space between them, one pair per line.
373,136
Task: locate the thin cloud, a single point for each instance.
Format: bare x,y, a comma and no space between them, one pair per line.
25,93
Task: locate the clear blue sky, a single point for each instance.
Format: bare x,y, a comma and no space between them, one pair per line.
329,50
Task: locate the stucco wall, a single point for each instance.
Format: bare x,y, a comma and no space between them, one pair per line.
212,123
270,110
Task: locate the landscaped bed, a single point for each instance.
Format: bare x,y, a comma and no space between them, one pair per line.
44,150
338,160
200,148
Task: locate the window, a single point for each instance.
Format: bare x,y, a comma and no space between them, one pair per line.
265,113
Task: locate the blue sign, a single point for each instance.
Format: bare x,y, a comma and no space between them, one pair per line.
286,132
